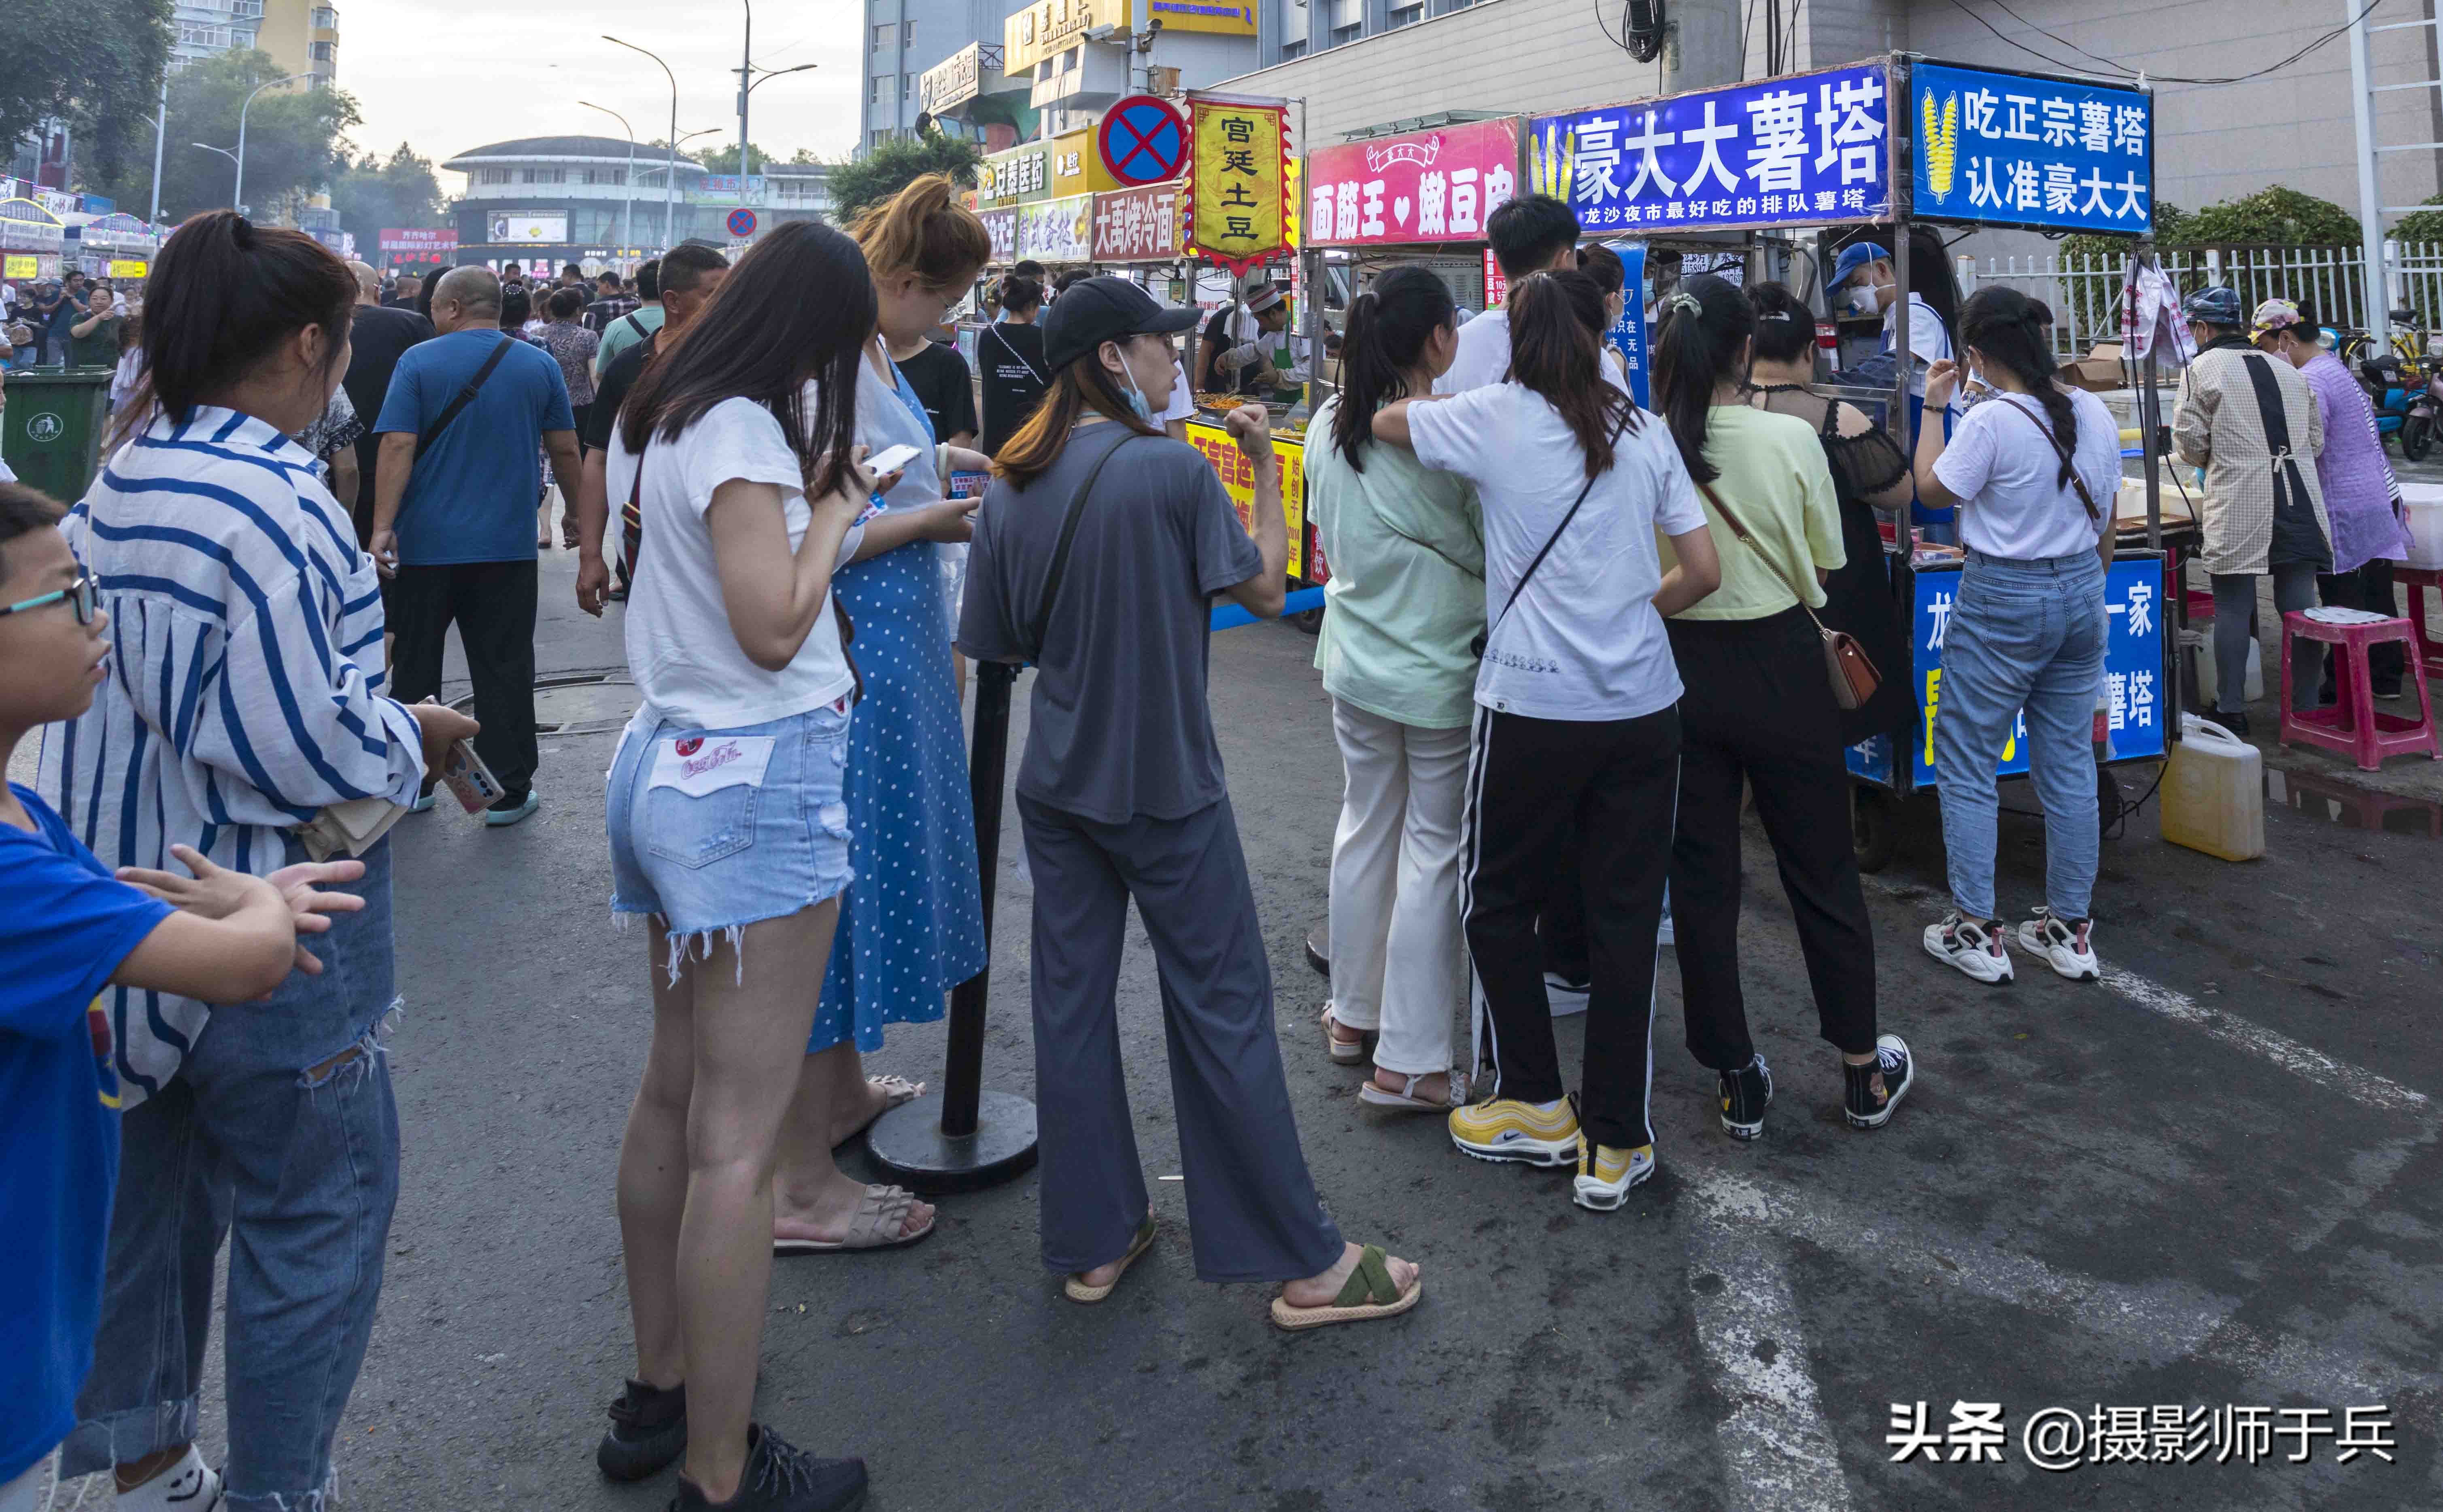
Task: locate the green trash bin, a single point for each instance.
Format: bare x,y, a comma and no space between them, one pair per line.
50,435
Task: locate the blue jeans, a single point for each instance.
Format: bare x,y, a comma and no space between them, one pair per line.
281,1128
2024,634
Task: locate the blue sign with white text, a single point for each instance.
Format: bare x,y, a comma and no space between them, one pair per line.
1799,150
2021,151
1628,335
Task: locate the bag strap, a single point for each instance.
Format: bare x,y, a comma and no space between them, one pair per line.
1069,539
2276,419
1554,540
465,397
2093,514
995,328
1741,531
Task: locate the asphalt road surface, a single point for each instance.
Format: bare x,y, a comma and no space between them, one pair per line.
2209,1183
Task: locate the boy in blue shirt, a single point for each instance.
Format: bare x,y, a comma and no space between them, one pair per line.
68,931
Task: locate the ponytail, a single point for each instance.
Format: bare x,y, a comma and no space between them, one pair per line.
1018,293
1704,324
2006,329
1556,321
223,295
921,230
1388,327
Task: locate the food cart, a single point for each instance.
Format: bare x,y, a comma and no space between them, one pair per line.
119,247
32,241
1884,143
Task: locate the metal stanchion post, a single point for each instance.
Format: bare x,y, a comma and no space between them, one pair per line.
967,1138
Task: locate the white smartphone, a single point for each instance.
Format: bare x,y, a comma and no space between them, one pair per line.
891,459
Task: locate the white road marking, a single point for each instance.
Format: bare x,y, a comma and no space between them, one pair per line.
2355,1082
1777,1453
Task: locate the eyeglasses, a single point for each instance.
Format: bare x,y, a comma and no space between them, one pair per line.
78,594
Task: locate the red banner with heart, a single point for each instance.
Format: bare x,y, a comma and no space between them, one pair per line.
1422,186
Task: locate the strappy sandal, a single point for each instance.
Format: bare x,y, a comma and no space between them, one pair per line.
1368,1294
881,1222
1078,1289
1407,1099
896,1090
1345,1052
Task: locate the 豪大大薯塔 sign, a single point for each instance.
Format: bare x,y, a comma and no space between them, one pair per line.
1427,186
1799,150
2017,150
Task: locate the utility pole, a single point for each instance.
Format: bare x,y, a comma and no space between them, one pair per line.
161,126
2378,292
1702,46
746,75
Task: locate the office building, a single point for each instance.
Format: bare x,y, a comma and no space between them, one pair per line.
599,199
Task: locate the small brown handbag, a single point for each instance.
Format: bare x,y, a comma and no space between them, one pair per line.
1847,665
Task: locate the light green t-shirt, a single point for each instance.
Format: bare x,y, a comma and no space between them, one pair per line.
1774,474
621,334
1406,547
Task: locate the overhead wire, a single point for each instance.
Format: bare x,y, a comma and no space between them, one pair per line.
2124,69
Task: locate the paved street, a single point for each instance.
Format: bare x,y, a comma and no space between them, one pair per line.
2212,1180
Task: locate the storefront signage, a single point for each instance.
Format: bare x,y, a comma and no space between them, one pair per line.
396,240
1238,476
1427,186
1238,185
129,268
1799,150
17,264
2016,149
26,227
535,227
1076,167
1137,225
1050,27
1228,18
731,186
1001,225
1142,140
1627,334
1020,174
956,79
1057,230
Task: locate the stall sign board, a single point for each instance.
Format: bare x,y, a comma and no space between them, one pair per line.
1238,476
1627,334
2014,148
1142,141
1797,150
1057,230
1496,283
129,268
1001,225
17,265
1022,173
2136,703
1424,186
394,239
1137,225
1237,187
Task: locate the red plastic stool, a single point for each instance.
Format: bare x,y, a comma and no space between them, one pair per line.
2419,582
2352,726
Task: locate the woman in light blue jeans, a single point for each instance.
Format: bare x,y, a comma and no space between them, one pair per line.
2035,472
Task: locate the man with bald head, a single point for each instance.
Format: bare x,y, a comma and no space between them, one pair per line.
375,338
455,490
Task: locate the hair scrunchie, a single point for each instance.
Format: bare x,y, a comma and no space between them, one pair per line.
1682,300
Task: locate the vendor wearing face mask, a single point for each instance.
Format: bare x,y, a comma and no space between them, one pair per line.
1863,283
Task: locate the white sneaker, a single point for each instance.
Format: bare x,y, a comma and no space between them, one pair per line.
188,1485
1973,949
2070,950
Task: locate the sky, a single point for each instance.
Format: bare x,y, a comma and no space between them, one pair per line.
446,75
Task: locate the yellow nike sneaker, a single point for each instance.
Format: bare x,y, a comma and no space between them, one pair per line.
1507,1128
1605,1174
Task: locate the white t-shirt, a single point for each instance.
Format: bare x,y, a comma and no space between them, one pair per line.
1183,396
1928,342
685,657
1483,353
2005,470
1583,642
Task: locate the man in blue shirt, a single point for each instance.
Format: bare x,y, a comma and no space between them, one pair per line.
463,425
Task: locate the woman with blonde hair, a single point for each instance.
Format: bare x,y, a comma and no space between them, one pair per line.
911,926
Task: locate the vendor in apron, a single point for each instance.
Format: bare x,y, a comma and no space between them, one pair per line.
1243,349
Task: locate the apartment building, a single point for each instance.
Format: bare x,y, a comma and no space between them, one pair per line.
301,36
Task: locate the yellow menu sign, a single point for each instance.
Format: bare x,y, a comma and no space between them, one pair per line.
1237,176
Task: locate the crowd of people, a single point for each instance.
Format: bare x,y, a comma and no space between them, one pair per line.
1565,634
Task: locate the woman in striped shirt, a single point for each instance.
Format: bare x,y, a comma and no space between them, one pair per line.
243,695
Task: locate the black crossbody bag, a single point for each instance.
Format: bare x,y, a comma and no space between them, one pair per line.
1476,647
465,397
1043,625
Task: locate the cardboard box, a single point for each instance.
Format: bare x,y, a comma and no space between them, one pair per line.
2101,371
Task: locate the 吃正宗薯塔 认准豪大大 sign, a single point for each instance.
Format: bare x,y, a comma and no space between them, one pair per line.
2017,150
1799,150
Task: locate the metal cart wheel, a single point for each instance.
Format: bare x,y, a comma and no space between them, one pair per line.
2109,801
1874,826
1308,621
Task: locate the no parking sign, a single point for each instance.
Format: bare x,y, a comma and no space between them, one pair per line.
1142,141
742,222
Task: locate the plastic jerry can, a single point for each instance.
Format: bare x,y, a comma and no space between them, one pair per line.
2254,684
2213,793
2421,506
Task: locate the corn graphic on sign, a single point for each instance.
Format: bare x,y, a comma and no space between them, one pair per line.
2017,149
1939,142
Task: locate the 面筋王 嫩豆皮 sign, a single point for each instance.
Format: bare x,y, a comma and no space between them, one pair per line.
1799,150
2017,150
1237,182
1427,186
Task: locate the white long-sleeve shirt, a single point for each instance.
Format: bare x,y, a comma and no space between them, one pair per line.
244,687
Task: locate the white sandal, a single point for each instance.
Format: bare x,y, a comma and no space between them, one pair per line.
1346,1052
1406,1098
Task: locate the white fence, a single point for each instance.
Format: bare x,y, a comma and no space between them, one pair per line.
2084,290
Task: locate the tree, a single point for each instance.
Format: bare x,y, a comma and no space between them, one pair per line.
373,193
895,164
2276,216
2423,225
726,159
98,66
293,140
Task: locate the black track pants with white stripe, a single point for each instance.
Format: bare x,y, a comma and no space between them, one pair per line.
1533,784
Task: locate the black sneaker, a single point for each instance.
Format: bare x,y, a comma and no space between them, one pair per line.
648,1431
1745,1096
2236,724
1892,1058
779,1477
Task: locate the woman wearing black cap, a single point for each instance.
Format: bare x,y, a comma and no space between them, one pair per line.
1097,552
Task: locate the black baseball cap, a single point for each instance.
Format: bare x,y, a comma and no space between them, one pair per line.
1105,310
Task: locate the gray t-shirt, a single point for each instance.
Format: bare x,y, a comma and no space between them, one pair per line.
1119,728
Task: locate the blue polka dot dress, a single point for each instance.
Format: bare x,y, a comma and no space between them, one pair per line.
911,925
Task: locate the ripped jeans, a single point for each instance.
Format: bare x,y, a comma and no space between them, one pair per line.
717,829
280,1129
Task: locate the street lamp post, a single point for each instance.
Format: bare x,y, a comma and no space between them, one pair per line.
160,130
628,222
747,83
670,175
240,195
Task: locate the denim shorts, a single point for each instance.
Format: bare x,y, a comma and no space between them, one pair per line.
717,829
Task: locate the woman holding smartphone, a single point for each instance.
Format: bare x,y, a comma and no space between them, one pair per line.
729,832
